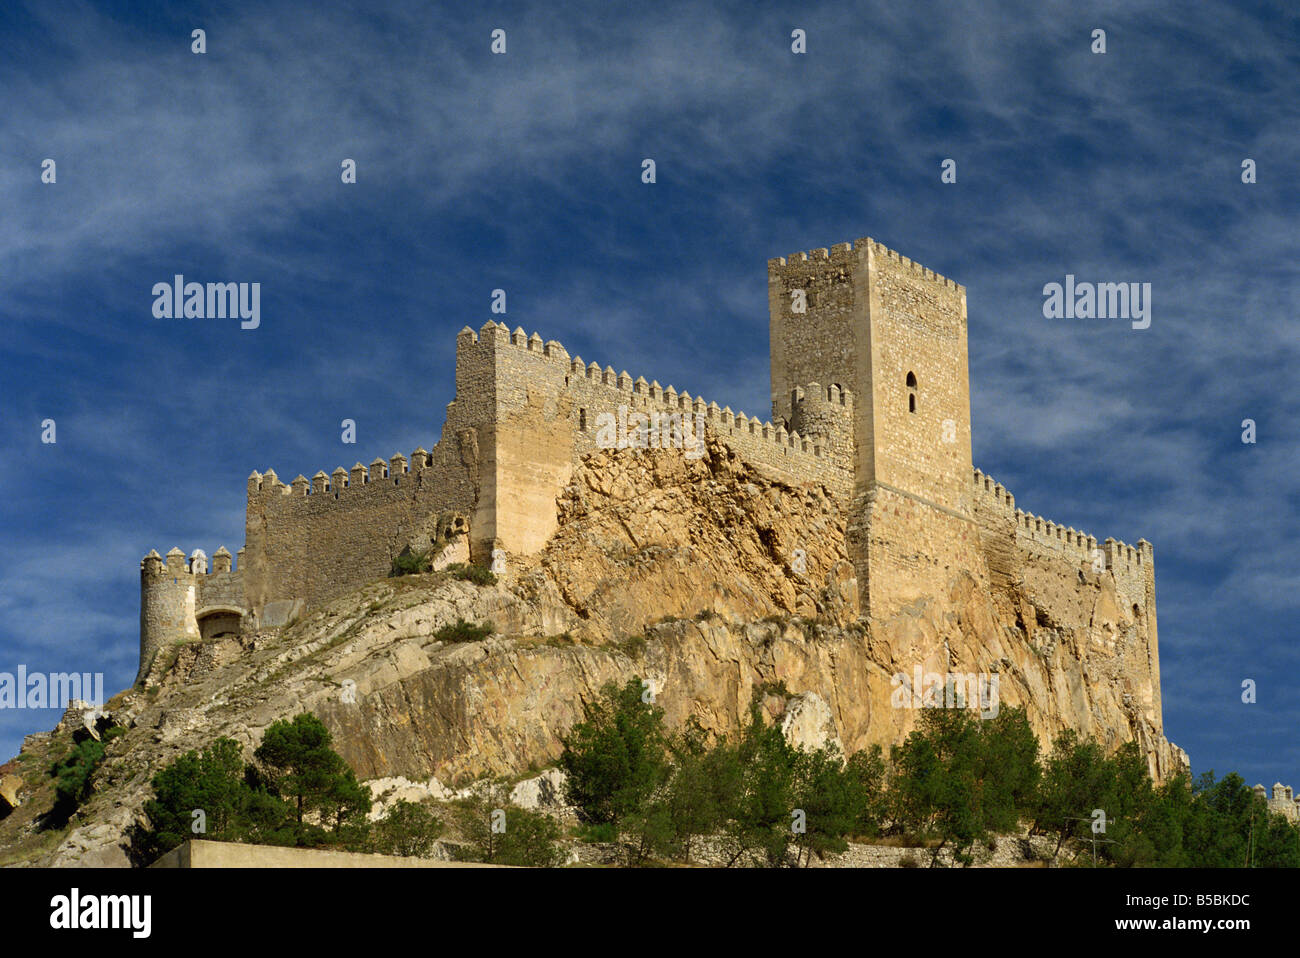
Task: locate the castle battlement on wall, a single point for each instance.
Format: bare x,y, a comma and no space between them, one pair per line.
1046,531
176,563
341,480
609,389
1035,535
842,253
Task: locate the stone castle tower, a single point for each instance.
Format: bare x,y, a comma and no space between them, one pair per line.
870,392
894,334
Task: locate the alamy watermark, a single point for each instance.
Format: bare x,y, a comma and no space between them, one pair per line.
50,690
1073,300
633,429
181,300
953,690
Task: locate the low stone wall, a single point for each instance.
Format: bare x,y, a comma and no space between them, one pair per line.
205,854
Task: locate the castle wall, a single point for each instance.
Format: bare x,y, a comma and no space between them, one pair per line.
220,589
813,345
311,540
994,510
315,540
168,598
539,386
526,442
524,415
1011,539
1010,535
908,549
893,333
1281,801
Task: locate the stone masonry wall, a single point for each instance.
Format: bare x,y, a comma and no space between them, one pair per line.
564,387
1011,539
524,414
918,326
174,598
314,540
1011,531
893,333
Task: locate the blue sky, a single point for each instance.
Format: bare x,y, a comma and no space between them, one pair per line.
523,172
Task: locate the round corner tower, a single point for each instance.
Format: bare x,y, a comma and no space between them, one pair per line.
167,605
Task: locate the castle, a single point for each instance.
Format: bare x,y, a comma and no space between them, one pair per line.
870,398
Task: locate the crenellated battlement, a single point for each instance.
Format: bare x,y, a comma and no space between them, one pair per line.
495,334
596,390
183,599
394,469
845,253
1036,534
195,565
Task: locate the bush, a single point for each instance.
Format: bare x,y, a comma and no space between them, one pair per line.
72,775
210,782
479,575
530,840
299,792
616,757
410,563
408,829
959,779
498,833
463,631
602,834
299,765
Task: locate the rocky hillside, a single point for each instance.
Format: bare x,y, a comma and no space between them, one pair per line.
706,577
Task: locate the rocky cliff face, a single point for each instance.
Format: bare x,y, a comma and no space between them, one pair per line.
708,578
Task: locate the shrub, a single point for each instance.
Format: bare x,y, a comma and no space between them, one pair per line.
463,631
408,829
616,757
301,767
299,792
410,563
501,834
72,775
479,575
603,834
210,782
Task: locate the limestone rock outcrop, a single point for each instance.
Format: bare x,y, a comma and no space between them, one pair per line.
710,578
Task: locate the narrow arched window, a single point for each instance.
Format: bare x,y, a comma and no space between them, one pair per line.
911,392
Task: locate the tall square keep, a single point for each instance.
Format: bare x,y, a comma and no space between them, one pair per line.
862,318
